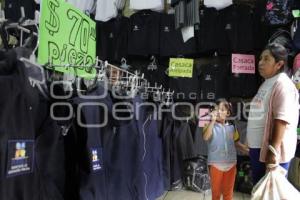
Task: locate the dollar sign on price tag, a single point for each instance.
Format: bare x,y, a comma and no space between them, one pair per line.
53,24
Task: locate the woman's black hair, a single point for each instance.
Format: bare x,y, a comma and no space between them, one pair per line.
279,52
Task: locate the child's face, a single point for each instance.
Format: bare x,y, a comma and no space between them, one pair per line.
223,112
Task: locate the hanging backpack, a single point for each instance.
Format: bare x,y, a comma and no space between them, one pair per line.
195,174
278,12
243,182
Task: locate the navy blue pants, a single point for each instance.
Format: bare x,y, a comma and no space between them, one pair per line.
259,168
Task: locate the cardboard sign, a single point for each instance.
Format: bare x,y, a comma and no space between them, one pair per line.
67,36
204,117
243,64
181,67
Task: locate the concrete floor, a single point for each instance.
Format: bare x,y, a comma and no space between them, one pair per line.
189,195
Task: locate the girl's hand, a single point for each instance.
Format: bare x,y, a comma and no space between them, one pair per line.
244,149
214,115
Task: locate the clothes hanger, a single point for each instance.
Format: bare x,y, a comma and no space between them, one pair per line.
215,59
37,69
124,64
157,94
101,70
153,65
36,80
167,97
37,77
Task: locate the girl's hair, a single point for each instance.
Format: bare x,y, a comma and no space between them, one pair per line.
225,103
279,52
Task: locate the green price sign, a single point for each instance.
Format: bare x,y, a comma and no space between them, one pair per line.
296,13
181,67
67,37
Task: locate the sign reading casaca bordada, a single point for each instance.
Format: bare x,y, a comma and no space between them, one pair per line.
181,67
67,37
243,64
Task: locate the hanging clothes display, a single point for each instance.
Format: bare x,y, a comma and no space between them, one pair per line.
85,6
30,140
171,40
108,9
214,79
121,121
186,13
143,33
206,31
144,4
113,39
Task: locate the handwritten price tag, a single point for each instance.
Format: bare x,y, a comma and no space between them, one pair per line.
67,36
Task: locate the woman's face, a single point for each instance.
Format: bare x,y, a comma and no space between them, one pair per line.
267,66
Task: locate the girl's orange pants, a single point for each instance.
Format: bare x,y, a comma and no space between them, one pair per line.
222,183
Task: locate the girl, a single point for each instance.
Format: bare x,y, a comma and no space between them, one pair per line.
222,139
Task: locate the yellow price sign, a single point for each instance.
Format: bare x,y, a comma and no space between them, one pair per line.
181,67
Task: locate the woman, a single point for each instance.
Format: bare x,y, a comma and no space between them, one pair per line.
273,115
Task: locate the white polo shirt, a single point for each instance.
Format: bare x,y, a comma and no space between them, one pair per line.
217,3
146,4
85,5
106,10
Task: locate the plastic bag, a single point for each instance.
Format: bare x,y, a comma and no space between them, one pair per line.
274,186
